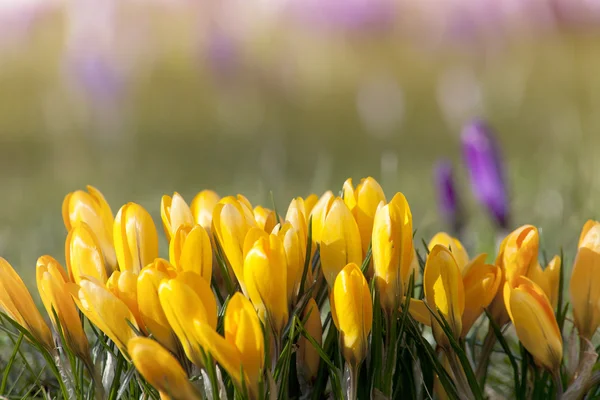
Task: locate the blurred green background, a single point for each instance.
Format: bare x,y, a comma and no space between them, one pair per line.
293,111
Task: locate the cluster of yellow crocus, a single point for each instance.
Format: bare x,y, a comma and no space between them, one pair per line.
260,269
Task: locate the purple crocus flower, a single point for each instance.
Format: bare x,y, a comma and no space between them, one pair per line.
448,201
484,163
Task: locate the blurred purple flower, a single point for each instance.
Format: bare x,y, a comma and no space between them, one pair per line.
95,74
484,163
447,196
221,53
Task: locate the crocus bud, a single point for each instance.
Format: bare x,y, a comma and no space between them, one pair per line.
17,303
242,348
265,275
92,208
124,286
454,245
307,356
340,241
135,237
51,280
484,163
448,201
585,281
547,279
352,313
161,369
203,206
184,299
84,255
265,218
105,310
319,213
363,202
174,212
295,255
535,323
393,249
190,250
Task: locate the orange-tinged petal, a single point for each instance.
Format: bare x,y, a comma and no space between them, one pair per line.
584,290
307,356
520,251
203,206
265,275
481,282
419,311
16,302
340,241
455,246
135,238
590,236
352,312
552,274
161,369
83,254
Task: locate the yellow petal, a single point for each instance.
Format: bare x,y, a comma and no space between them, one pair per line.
409,264
386,247
203,206
368,196
202,288
307,356
16,302
481,282
520,251
584,290
340,241
444,290
309,203
124,286
265,218
174,212
135,237
552,274
295,256
190,250
83,254
590,236
319,213
455,246
161,369
353,312
265,275
419,311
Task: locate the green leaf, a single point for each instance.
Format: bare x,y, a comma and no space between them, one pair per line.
505,347
10,363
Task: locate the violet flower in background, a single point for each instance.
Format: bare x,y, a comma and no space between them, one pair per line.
484,163
447,197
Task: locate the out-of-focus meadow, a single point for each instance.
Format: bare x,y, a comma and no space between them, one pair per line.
141,99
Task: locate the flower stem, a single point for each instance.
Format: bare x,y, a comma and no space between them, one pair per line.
484,358
353,387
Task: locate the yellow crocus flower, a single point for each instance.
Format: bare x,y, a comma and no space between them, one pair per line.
105,310
548,278
584,287
393,251
161,369
309,203
363,202
265,218
295,255
203,206
454,245
135,237
242,348
190,250
51,281
318,214
352,313
16,302
265,275
84,255
124,286
92,208
534,320
174,211
184,299
307,356
340,241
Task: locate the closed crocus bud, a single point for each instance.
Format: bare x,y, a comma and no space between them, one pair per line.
265,274
295,255
92,208
363,202
51,279
444,294
135,236
392,247
105,310
242,348
309,203
296,215
518,253
454,245
481,282
340,241
483,160
307,356
150,307
174,212
124,286
265,218
547,278
447,198
161,370
231,222
83,254
535,323
352,313
16,302
190,250
203,206
184,299
585,281
319,213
